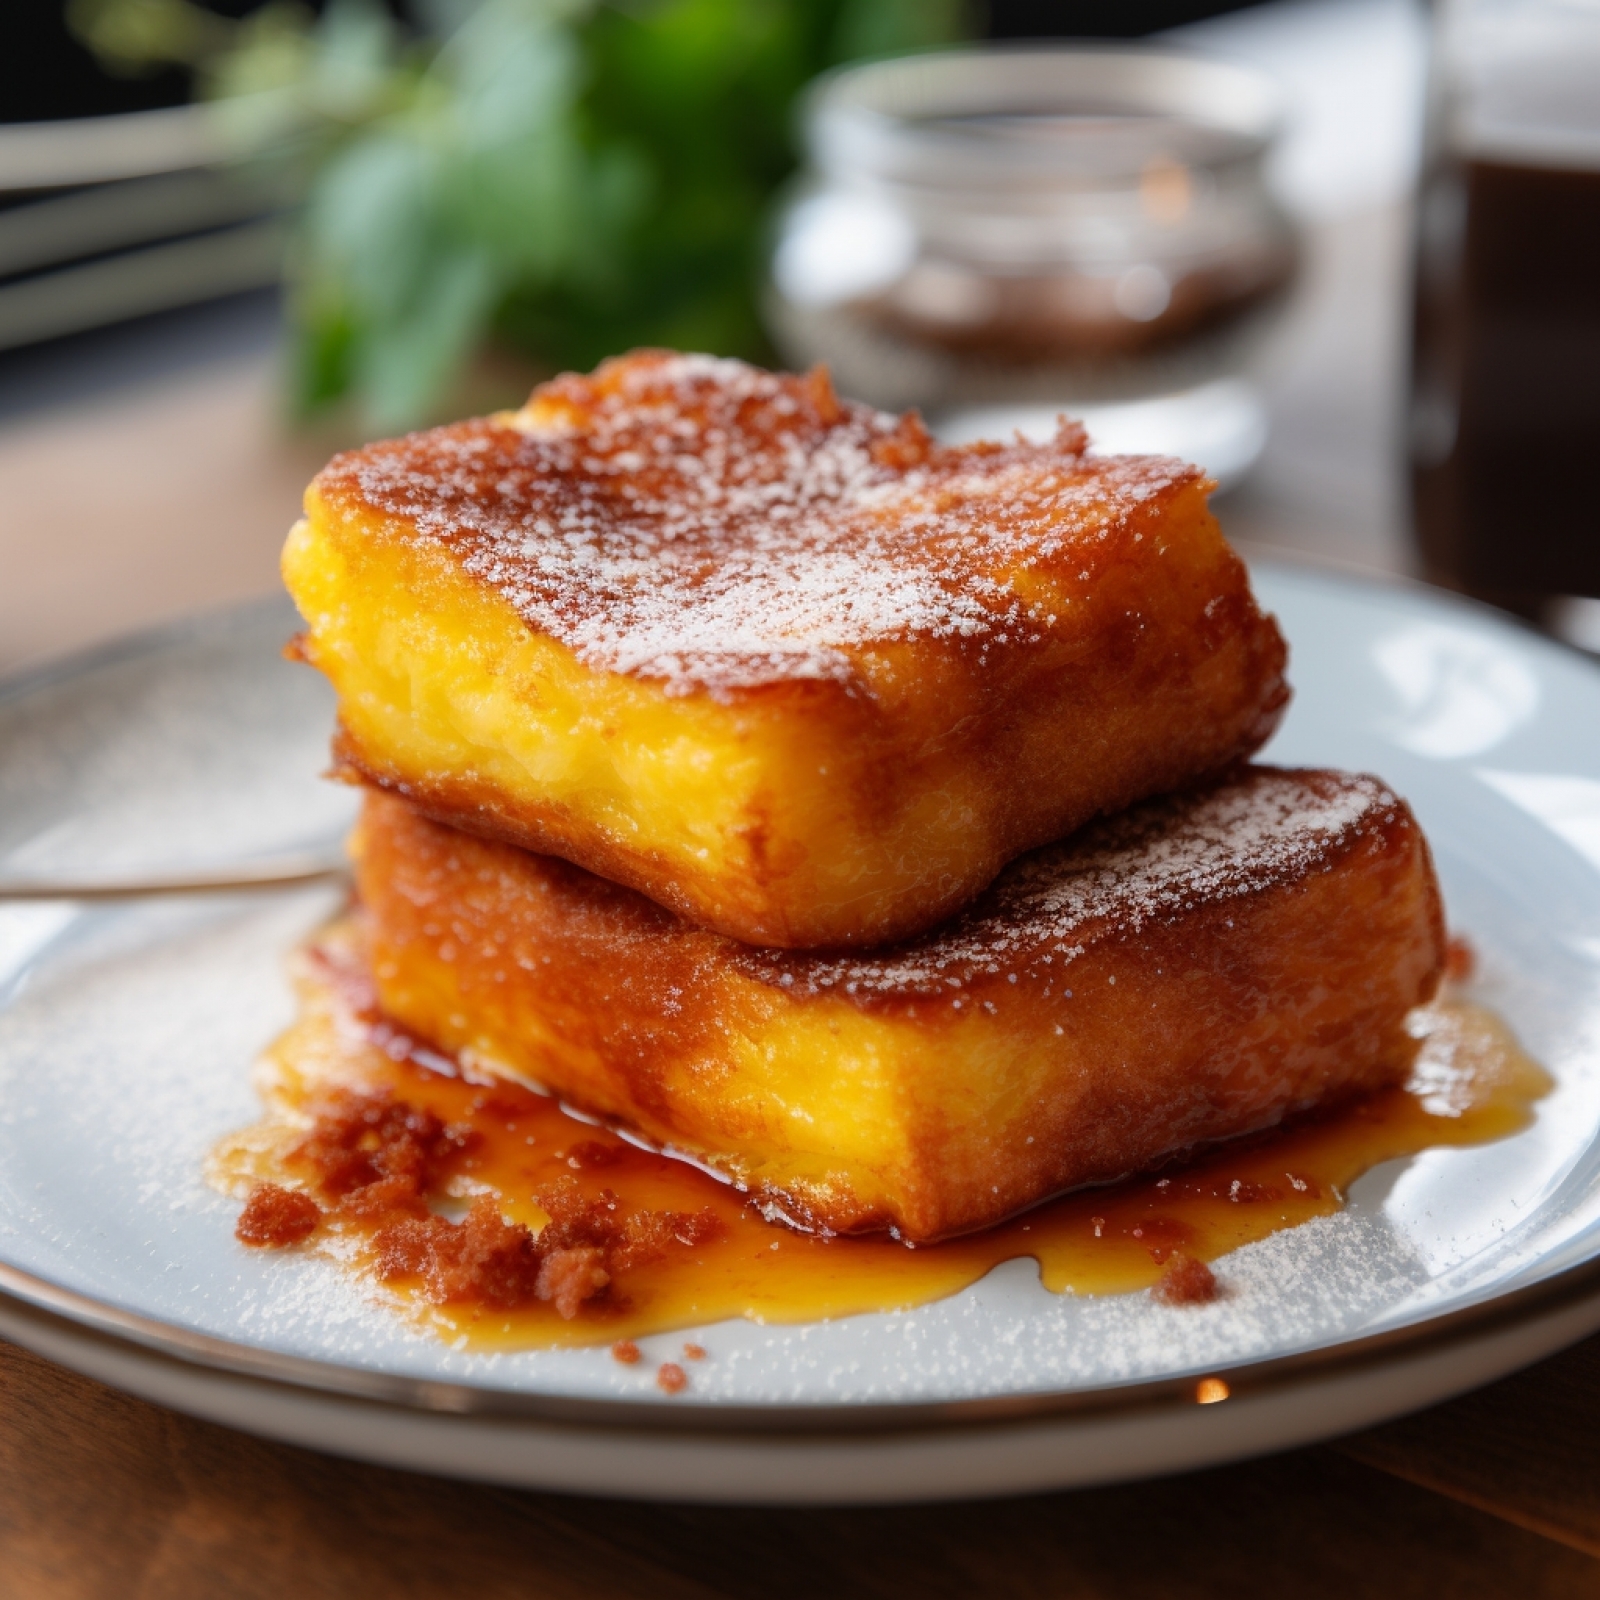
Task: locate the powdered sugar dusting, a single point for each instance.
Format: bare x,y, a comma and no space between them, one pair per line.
1158,860
707,524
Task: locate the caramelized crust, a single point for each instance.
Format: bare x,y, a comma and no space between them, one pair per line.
1196,968
773,659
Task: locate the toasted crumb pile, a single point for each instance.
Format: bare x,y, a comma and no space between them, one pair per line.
1160,859
707,524
374,1162
274,1217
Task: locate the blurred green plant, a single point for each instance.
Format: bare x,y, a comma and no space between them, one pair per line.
570,177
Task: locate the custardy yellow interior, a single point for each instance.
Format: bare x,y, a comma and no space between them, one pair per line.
805,812
445,693
797,1099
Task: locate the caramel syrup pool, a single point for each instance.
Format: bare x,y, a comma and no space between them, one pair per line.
1471,1084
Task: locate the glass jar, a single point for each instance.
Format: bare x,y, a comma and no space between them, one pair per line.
998,235
1505,394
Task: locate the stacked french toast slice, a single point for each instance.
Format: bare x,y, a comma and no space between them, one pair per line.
864,818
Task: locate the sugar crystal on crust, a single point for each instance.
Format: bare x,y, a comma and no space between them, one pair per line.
707,524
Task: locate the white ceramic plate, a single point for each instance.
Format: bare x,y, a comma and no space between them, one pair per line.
126,1036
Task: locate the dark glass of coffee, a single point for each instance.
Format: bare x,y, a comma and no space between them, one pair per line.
1505,401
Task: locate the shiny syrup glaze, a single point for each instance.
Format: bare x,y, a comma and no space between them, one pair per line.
1472,1084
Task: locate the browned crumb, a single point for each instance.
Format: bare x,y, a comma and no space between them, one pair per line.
694,1352
1460,960
628,1240
625,1351
672,1377
571,1276
274,1217
359,1140
1185,1282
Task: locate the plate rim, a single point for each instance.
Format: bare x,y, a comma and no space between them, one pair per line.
29,1298
1022,1456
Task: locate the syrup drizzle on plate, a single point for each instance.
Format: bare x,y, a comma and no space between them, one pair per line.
1471,1084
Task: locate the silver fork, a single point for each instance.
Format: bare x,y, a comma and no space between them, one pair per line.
282,872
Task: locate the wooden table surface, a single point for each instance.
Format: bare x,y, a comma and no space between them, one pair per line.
132,505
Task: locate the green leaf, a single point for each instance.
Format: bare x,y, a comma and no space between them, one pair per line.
571,176
405,364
